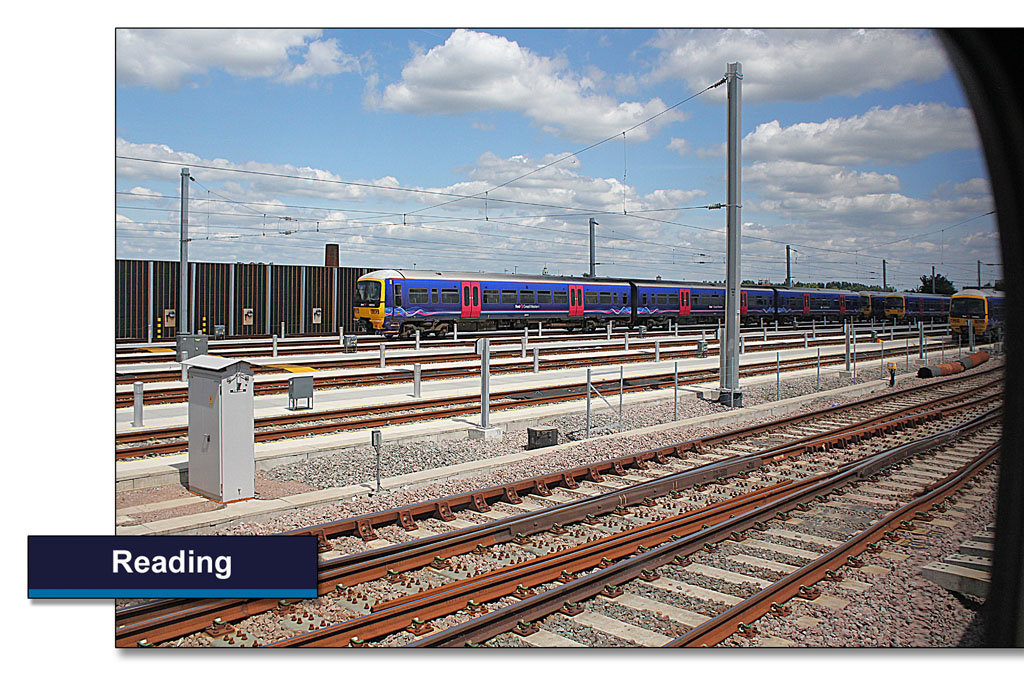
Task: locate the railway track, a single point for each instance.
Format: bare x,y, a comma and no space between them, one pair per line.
170,440
436,576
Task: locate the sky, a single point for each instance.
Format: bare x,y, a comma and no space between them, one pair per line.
490,149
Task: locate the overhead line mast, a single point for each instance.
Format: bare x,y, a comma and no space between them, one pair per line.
729,371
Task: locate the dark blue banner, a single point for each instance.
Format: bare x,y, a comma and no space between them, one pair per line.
235,566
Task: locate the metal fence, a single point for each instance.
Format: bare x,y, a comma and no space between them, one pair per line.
247,299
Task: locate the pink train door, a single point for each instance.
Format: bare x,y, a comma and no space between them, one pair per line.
842,304
575,300
807,302
470,299
743,302
684,302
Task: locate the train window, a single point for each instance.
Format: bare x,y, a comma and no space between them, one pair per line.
418,296
543,297
590,297
398,294
509,297
450,296
465,297
476,296
433,295
605,297
526,297
561,297
625,298
643,298
491,296
662,298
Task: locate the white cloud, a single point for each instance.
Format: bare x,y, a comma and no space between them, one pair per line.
475,71
799,64
897,135
167,59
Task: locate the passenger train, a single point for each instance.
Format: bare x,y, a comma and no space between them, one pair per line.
399,302
983,307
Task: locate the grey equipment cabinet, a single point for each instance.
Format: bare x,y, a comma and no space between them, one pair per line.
221,447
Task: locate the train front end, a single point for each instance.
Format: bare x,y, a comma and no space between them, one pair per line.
368,305
964,308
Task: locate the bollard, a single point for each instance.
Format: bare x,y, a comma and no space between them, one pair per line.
416,375
382,359
274,354
485,383
814,330
743,345
456,329
282,329
627,341
526,332
657,351
805,340
540,329
341,335
675,391
764,337
524,348
776,325
536,360
608,331
702,339
137,404
417,339
892,330
675,329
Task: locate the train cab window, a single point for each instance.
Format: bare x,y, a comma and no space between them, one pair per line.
450,296
418,296
509,297
561,297
398,294
526,297
543,297
491,296
433,295
590,297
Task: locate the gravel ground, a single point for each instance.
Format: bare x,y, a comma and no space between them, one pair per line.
902,608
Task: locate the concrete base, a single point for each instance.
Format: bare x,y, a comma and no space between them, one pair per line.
488,434
733,399
846,374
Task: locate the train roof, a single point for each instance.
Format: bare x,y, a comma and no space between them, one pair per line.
979,292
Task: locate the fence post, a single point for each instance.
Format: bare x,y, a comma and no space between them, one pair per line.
275,347
657,351
417,339
778,377
970,334
908,354
376,440
621,384
805,340
818,388
536,359
524,348
383,360
675,391
282,329
456,329
341,335
485,383
608,331
588,403
627,341
540,329
920,339
137,403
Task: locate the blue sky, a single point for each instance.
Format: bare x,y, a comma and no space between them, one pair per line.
858,146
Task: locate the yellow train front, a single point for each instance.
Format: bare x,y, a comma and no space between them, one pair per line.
982,308
368,305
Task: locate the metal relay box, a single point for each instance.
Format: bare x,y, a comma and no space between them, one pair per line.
221,446
191,344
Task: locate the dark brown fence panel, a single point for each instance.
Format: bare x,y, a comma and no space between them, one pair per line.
250,300
347,277
132,312
319,304
165,300
211,293
286,299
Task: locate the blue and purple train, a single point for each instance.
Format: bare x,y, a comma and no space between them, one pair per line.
399,302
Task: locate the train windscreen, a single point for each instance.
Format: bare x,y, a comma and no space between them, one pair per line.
967,307
367,293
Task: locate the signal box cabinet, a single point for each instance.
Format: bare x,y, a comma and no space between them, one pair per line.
221,447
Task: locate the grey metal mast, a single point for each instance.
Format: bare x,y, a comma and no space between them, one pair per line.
788,279
593,223
183,270
729,392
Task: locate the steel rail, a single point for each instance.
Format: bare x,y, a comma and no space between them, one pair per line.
504,619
